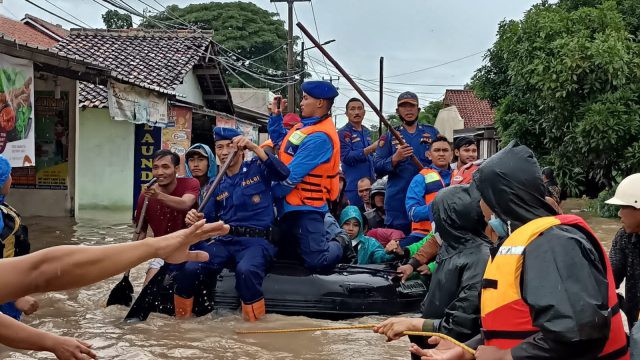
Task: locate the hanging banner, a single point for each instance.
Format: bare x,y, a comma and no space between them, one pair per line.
137,105
249,130
16,111
147,142
177,138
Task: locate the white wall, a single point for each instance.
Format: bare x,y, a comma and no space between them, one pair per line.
191,89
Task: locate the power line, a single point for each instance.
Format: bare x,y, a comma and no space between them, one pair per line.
435,66
64,11
315,23
52,13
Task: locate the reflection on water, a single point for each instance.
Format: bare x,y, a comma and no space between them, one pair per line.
81,313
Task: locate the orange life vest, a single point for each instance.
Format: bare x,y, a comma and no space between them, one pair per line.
266,144
430,175
322,183
506,318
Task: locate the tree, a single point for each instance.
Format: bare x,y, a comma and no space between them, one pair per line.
565,81
431,111
113,19
241,28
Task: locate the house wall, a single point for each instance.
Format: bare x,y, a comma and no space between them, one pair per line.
105,162
44,202
191,89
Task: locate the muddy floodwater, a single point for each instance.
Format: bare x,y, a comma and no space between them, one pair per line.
82,314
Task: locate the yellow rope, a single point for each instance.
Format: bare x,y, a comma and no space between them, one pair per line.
354,327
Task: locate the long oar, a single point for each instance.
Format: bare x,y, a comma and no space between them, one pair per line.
217,180
357,88
122,293
355,327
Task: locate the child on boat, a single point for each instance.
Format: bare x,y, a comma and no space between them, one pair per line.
368,249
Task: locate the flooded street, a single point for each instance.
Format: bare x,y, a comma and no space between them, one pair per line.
82,314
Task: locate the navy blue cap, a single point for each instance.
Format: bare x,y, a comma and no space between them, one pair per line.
408,97
225,133
320,90
5,170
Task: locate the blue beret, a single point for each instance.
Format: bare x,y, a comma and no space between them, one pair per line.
320,89
225,133
5,170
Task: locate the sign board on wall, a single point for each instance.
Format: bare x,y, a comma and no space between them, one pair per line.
16,111
177,137
51,145
147,142
137,105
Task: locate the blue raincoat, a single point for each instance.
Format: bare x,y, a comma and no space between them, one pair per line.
211,173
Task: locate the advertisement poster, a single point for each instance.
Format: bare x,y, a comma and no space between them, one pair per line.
16,111
51,144
177,137
147,142
137,105
224,121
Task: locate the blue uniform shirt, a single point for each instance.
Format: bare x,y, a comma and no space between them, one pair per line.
415,204
314,150
245,199
401,175
355,164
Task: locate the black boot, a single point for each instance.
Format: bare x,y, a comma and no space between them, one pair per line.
348,254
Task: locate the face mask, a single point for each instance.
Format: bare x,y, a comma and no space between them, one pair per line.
410,123
502,229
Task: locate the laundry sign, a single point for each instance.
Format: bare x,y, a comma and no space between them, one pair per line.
137,105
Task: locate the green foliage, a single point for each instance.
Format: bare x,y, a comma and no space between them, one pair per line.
430,113
241,27
113,19
565,80
602,209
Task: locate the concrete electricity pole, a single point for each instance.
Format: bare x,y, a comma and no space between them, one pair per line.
290,56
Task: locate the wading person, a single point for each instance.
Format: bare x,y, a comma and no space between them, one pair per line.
311,150
424,187
201,165
395,161
68,267
548,290
356,150
243,201
452,305
14,237
169,201
625,248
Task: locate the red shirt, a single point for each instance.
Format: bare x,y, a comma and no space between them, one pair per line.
162,218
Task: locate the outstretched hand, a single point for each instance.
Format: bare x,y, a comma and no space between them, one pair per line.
444,350
174,247
394,328
66,348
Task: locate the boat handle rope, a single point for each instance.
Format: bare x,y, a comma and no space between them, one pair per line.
354,327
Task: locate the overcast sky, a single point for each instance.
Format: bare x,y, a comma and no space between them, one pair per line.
410,34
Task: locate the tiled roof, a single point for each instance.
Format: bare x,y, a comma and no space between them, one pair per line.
474,112
54,28
152,59
24,33
92,95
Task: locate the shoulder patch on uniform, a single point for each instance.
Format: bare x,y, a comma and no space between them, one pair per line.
431,177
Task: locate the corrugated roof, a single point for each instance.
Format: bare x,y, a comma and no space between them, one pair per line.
474,112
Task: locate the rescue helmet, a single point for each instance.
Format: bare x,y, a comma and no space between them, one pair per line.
628,192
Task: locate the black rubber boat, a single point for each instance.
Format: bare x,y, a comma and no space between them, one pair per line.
349,291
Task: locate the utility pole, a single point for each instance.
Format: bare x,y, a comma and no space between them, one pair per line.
381,94
291,86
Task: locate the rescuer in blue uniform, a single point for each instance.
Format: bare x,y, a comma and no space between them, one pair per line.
356,150
396,162
243,200
311,150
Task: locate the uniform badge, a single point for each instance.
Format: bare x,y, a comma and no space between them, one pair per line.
255,198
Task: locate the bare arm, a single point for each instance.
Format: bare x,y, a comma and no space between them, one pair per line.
20,336
67,267
185,202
